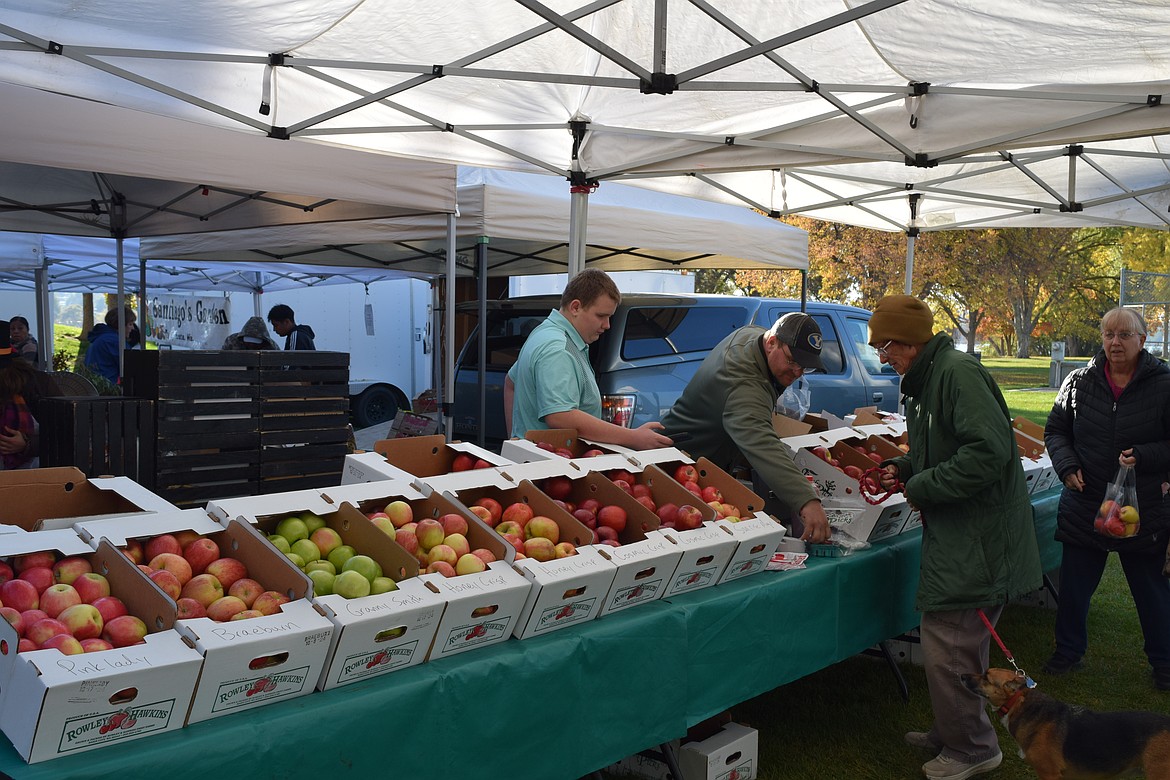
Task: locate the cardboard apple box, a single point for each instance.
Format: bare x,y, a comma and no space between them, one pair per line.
55,705
249,508
380,633
733,752
645,564
253,662
705,553
565,591
43,499
534,470
526,492
870,523
757,538
431,459
370,497
482,609
527,450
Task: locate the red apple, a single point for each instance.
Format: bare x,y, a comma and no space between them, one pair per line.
83,621
57,598
612,516
622,474
510,527
519,513
565,549
204,588
227,571
442,552
440,567
540,549
400,512
638,489
68,569
686,473
133,550
516,540
199,553
407,540
164,543
43,559
544,445
711,493
20,595
167,582
463,462
429,532
541,526
587,517
485,555
66,644
821,453
480,463
668,513
6,572
175,564
41,577
186,536
14,618
624,486
190,608
222,609
26,645
693,487
495,510
563,452
125,631
592,504
30,616
268,602
43,629
558,487
592,453
91,586
453,523
469,564
689,517
247,614
606,534
875,457
110,607
95,645
647,502
458,543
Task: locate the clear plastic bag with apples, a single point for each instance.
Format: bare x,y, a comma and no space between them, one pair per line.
796,399
1118,516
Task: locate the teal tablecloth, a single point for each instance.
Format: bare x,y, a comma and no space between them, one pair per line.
557,706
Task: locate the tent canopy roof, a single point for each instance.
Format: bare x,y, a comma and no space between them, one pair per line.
996,112
525,218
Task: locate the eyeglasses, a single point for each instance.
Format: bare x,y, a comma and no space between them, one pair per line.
884,349
1124,335
791,361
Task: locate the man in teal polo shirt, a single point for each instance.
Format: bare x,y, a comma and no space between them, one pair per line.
552,384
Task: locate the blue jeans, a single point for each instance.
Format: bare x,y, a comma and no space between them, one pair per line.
955,643
1080,574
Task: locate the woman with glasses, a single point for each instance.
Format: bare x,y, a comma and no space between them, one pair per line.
1114,411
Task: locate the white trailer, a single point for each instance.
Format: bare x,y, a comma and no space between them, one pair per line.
385,328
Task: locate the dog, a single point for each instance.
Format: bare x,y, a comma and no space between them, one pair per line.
1064,742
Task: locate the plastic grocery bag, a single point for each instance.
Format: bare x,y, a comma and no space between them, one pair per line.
795,400
1118,515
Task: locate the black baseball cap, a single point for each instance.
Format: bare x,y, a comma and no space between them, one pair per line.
803,336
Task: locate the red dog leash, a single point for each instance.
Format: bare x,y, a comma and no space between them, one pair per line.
1028,682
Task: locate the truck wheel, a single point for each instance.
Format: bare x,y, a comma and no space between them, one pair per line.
376,405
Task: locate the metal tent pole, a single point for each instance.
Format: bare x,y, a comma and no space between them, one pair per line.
449,317
481,270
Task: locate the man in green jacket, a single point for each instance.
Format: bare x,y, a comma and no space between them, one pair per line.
979,545
726,409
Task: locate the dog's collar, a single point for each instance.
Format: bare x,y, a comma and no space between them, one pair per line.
1011,702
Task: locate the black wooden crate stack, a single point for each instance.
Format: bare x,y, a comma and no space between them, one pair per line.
100,435
304,419
208,421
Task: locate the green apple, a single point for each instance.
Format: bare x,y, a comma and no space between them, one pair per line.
279,542
306,549
292,528
351,585
320,565
322,582
364,565
313,521
297,560
382,585
340,555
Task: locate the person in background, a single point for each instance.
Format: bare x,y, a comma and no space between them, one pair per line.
552,384
284,323
979,547
102,355
254,335
23,342
1116,410
21,389
726,409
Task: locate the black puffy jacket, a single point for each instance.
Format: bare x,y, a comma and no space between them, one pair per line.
1087,429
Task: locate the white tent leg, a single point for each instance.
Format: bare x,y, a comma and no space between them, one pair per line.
910,236
578,220
449,341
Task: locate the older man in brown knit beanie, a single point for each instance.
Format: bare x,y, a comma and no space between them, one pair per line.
979,546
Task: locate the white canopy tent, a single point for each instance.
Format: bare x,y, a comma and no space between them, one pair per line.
978,113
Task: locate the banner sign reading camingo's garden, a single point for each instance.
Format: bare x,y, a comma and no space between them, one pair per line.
188,321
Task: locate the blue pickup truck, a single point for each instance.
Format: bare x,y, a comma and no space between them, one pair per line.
654,346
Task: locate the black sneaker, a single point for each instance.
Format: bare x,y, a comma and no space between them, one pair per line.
1059,664
1162,678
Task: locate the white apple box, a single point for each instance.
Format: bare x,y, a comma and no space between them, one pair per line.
380,633
824,439
370,467
914,520
119,530
732,752
371,496
482,609
661,455
51,498
253,662
54,705
525,450
542,469
757,538
1033,472
570,529
425,457
644,570
249,508
870,523
565,591
1047,478
706,551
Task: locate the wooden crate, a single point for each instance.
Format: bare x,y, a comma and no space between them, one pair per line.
304,419
100,435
